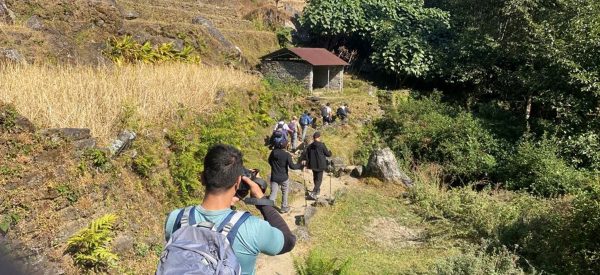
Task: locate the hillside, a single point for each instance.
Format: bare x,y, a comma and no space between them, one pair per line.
76,32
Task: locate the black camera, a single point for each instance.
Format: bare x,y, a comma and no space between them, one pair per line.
244,188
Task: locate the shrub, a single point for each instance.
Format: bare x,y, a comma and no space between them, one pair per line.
8,117
143,165
317,264
553,235
90,246
583,150
537,168
97,158
127,50
478,261
436,132
284,36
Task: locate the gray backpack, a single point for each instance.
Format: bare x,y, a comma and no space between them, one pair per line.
202,248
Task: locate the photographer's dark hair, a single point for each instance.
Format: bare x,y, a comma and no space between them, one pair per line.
223,165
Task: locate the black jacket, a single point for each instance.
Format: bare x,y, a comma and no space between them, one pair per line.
280,160
316,156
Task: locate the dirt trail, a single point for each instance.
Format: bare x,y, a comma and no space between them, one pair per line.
284,264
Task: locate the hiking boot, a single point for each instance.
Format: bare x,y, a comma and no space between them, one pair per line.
312,196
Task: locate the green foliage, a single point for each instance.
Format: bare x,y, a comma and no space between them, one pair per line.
89,247
436,132
317,264
284,36
97,158
537,168
8,220
552,235
478,261
582,150
67,192
8,117
146,160
398,33
535,49
127,50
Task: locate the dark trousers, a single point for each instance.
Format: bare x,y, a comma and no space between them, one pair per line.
318,179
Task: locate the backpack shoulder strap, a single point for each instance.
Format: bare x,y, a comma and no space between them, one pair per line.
230,228
188,218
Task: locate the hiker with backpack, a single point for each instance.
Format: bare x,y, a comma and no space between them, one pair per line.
305,121
315,158
280,161
280,134
326,113
210,238
342,113
294,131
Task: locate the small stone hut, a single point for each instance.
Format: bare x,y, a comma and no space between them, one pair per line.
314,67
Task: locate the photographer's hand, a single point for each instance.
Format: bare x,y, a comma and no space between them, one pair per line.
255,190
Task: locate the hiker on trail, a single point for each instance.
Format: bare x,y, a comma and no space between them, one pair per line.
280,161
280,133
315,158
294,132
342,112
222,176
305,121
326,114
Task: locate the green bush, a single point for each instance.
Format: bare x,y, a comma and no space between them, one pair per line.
317,264
436,132
478,261
583,150
537,168
90,246
99,159
556,235
143,165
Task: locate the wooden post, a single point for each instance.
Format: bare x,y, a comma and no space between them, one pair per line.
328,79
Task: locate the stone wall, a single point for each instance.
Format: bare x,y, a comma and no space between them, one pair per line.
331,77
289,71
337,78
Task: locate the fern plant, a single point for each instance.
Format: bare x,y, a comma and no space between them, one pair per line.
126,50
89,247
318,264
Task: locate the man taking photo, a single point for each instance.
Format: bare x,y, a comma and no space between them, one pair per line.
222,176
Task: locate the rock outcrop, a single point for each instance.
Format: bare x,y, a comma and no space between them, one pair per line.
6,15
384,165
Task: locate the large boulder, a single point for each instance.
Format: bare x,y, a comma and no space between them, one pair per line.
384,165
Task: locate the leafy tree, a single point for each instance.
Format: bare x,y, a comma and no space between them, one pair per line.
395,34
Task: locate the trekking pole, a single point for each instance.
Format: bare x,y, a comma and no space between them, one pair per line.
305,189
330,192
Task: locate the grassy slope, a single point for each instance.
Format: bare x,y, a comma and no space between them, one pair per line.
75,31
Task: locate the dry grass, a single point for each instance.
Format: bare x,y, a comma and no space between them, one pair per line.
97,98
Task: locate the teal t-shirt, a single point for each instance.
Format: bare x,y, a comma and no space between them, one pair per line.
254,236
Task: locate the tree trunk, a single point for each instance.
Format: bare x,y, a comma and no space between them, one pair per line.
528,112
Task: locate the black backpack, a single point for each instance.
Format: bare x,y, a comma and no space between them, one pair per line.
341,112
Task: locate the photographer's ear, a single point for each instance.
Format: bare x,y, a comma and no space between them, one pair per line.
238,182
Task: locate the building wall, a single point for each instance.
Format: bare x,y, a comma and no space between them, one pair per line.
336,77
289,71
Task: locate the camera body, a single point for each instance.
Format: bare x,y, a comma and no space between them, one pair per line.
244,188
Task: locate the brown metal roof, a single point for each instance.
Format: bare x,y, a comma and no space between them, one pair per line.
314,56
